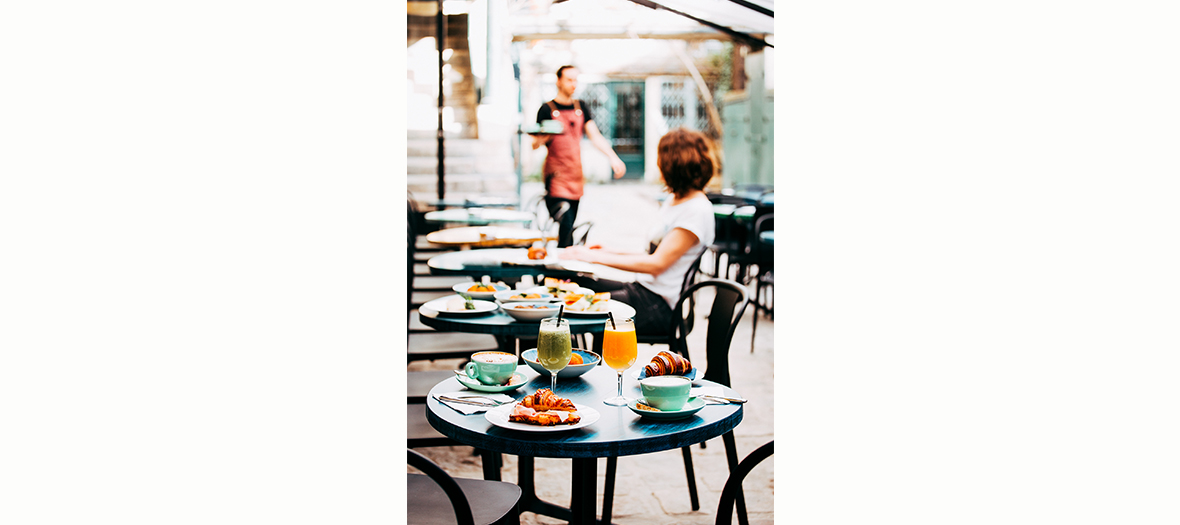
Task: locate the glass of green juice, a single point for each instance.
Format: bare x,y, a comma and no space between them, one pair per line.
553,347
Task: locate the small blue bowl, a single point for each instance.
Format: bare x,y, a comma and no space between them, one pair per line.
589,361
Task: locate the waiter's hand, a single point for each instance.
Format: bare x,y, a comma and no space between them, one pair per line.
617,165
540,140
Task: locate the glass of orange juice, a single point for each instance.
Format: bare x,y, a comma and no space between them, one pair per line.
619,352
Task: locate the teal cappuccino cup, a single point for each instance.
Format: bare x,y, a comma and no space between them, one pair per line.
491,368
665,392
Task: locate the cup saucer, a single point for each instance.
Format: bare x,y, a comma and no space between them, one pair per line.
692,406
518,380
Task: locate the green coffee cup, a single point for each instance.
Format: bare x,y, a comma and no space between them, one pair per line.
491,368
665,392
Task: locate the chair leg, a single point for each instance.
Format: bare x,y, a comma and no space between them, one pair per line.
608,491
692,478
732,458
754,327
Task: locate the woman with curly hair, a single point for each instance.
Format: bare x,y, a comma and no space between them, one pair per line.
684,230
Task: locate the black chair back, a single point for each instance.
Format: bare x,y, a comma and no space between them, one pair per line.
729,303
581,232
412,228
760,250
462,508
720,198
734,483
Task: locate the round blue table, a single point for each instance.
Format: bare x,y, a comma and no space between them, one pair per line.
618,432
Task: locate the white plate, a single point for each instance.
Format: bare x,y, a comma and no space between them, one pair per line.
620,309
462,288
440,306
499,416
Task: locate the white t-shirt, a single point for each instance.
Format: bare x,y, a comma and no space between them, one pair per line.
694,215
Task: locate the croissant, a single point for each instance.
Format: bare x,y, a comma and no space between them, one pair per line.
523,414
545,399
667,364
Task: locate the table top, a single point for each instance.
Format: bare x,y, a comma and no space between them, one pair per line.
469,202
491,261
486,236
618,432
740,212
478,216
500,323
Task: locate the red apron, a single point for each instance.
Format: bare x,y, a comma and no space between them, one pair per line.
563,164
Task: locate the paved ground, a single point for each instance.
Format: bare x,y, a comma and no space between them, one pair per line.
651,489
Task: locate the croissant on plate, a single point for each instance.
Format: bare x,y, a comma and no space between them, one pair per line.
547,418
545,399
666,363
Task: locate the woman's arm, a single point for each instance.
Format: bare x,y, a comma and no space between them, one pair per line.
675,244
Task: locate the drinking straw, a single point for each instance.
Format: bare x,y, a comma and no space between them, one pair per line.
611,316
560,312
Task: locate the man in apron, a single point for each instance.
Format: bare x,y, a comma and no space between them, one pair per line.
563,164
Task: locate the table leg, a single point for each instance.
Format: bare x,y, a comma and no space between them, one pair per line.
609,489
529,502
584,501
506,343
491,465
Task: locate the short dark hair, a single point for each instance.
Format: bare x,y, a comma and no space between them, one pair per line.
561,70
685,158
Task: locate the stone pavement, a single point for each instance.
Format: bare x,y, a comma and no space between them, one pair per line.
651,488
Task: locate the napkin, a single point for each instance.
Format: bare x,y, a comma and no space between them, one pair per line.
466,409
707,391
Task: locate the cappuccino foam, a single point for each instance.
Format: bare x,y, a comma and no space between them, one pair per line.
665,381
494,358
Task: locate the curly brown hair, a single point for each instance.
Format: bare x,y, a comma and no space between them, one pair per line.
685,158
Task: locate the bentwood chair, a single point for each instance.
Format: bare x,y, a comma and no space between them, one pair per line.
762,256
668,337
437,498
730,235
729,303
733,485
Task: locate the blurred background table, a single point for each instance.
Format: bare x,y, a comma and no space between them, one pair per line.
486,237
471,202
478,216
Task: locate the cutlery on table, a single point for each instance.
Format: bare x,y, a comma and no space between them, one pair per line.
477,401
721,399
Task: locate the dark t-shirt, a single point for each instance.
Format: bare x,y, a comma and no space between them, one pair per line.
544,113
